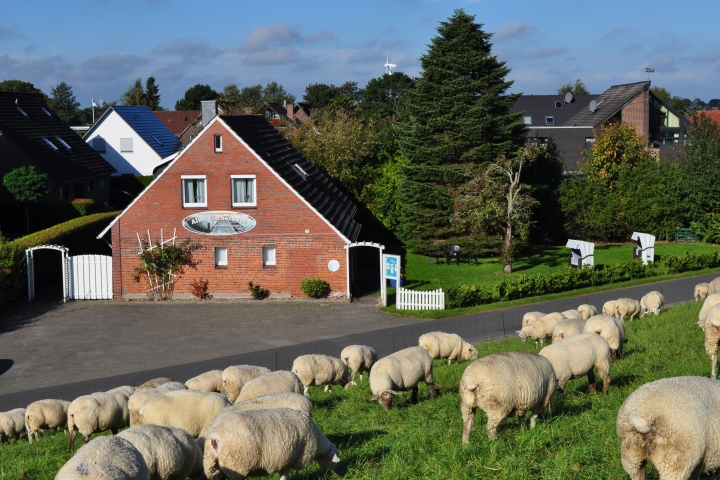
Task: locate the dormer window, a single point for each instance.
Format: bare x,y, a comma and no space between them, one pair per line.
549,120
51,144
558,104
63,143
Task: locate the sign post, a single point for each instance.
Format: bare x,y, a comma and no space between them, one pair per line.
390,267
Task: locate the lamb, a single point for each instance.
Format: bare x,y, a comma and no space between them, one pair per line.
42,414
651,302
587,311
124,390
154,383
715,285
235,377
188,409
402,370
264,442
275,400
541,329
609,308
358,359
96,413
702,290
711,300
170,453
609,328
273,382
12,425
531,317
447,345
575,357
138,398
567,328
321,370
626,307
712,336
207,382
505,383
105,458
568,314
673,423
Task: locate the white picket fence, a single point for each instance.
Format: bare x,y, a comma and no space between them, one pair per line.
410,300
91,277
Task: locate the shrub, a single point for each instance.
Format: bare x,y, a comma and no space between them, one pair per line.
257,292
162,265
315,287
199,289
84,206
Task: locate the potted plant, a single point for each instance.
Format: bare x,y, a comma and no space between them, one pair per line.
393,283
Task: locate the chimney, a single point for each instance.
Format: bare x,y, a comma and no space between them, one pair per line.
209,111
290,111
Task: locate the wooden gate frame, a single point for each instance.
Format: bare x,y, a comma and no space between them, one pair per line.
383,287
29,258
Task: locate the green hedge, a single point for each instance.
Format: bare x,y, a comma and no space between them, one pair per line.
568,278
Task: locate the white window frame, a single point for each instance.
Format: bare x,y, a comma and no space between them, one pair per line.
219,263
549,120
132,146
527,119
232,191
215,143
267,261
182,190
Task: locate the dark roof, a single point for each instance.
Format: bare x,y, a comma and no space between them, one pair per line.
282,157
613,100
150,129
540,106
178,122
277,108
25,134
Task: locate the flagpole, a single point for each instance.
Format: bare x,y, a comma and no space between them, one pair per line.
93,109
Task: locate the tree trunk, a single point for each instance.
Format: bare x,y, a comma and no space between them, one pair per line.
27,219
508,247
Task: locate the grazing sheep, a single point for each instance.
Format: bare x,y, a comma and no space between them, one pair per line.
42,414
126,390
502,384
608,308
273,382
541,329
567,328
447,345
587,311
651,302
402,370
568,314
275,400
96,413
188,409
154,383
702,290
169,453
105,458
358,358
207,382
137,399
626,307
264,442
715,285
672,422
711,300
321,370
12,425
611,329
575,357
531,317
234,379
712,336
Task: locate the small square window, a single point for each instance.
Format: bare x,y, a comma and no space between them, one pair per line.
268,256
99,144
218,143
558,104
194,191
527,120
221,257
550,120
589,142
243,191
126,145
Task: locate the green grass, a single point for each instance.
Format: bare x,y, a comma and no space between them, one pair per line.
577,440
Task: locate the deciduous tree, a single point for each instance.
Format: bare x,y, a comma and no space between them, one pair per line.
194,96
19,86
383,96
27,186
576,88
135,95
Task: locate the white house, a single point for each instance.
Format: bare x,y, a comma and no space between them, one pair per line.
133,140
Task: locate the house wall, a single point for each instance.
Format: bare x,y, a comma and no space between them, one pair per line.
637,114
570,142
143,158
304,242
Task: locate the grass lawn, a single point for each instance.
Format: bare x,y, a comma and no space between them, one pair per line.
577,440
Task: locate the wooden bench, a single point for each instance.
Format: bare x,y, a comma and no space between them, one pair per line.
685,235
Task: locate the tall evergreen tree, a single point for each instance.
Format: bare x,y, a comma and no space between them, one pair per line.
64,103
152,94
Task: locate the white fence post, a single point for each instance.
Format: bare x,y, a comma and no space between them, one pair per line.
411,300
91,277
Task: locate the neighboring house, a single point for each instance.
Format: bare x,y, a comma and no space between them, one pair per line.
573,121
133,140
713,115
30,134
184,124
253,206
300,112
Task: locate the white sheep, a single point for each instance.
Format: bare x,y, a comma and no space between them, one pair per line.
567,328
105,458
137,399
541,329
154,383
358,359
12,424
45,414
235,377
568,314
702,290
207,382
273,382
505,383
715,285
711,300
712,336
321,370
402,370
275,400
170,453
126,390
625,307
672,422
651,302
611,329
96,413
264,442
531,317
447,345
575,357
188,409
608,308
587,311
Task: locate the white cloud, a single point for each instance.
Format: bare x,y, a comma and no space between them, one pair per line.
268,36
512,30
190,50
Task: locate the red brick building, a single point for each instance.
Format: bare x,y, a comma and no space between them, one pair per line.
256,209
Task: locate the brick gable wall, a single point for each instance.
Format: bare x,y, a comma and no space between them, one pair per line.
637,114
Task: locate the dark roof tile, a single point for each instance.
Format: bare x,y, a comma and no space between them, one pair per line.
613,100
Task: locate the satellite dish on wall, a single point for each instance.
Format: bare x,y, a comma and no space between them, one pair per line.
569,97
593,106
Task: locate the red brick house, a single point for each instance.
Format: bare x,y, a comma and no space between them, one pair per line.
253,205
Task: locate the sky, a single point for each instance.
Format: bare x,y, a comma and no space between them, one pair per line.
100,47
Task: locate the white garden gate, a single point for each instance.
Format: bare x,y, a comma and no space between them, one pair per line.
411,300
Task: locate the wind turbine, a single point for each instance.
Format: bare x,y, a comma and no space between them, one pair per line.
389,66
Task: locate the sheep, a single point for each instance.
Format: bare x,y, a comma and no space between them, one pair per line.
273,382
608,308
154,383
96,413
711,300
402,370
567,328
206,382
188,409
626,307
673,423
505,383
587,311
321,370
170,453
714,285
712,336
12,425
264,442
541,329
126,390
235,377
702,290
651,302
42,414
531,317
137,399
611,329
105,458
358,359
568,314
275,400
447,345
575,357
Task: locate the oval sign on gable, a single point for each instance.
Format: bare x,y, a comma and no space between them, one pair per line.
219,223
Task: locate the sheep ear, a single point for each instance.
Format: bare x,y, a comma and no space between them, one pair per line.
335,458
215,444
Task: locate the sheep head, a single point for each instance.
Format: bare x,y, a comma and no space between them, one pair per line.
329,458
385,398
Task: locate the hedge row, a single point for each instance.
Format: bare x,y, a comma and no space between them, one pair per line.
568,278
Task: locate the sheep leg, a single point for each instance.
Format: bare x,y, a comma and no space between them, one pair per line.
71,445
432,391
284,474
494,420
614,355
361,377
606,385
449,361
327,388
114,431
305,391
534,417
591,381
86,439
468,415
352,377
414,397
713,359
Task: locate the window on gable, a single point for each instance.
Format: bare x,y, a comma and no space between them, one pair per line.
268,256
243,191
549,120
52,145
126,145
194,188
558,104
218,143
221,256
63,143
527,120
98,143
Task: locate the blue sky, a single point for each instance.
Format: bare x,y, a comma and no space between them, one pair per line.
100,46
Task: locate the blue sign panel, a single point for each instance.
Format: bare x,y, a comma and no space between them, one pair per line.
391,266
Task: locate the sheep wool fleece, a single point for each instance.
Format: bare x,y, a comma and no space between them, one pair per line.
12,424
105,458
275,400
402,370
170,453
447,345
